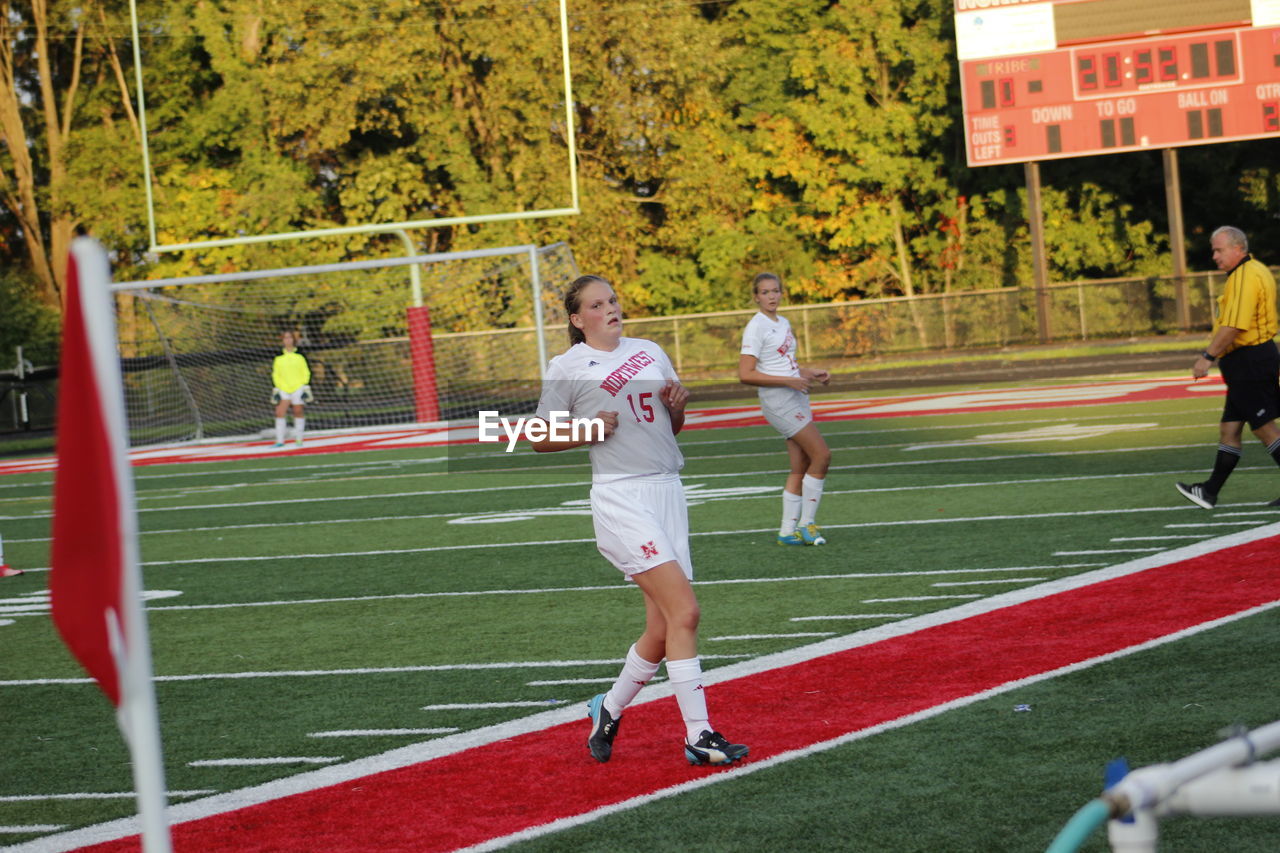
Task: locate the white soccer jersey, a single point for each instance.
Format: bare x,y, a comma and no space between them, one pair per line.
583,381
773,345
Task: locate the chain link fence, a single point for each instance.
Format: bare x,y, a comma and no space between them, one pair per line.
707,345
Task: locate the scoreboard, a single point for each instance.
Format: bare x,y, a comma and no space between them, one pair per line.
1046,79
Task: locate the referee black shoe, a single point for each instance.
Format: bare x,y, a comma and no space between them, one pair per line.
604,728
1197,494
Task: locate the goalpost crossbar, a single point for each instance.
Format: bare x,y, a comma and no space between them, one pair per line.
319,269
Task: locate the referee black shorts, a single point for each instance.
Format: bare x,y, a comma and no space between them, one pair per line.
1252,375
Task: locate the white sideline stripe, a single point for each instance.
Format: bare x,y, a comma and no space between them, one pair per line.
255,762
452,744
1120,420
981,583
1007,457
394,466
1257,512
277,526
617,587
1107,551
851,616
34,827
95,795
688,475
740,770
1213,524
770,436
559,682
1164,538
728,637
480,706
544,509
923,487
549,469
382,670
917,598
848,526
333,498
375,732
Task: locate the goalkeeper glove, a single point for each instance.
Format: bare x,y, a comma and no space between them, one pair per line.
275,396
307,396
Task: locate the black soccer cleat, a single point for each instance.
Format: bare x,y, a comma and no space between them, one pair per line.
1275,502
1197,494
604,728
712,748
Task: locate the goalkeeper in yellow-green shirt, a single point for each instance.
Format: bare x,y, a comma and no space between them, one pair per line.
290,374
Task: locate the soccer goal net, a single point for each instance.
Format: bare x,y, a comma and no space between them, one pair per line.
389,341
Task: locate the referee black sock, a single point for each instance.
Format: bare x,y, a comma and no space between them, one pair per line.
1274,449
1223,464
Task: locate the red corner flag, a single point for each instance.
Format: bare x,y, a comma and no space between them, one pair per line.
95,582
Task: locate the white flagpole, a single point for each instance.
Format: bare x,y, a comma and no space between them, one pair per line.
131,647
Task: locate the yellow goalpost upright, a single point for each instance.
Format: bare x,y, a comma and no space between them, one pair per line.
571,209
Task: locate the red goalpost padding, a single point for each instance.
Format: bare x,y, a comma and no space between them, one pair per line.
426,402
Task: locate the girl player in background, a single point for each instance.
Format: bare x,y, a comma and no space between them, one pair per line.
637,505
768,361
290,375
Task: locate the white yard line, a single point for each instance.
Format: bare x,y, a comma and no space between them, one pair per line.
916,598
429,549
1104,551
380,732
23,609
845,616
688,475
798,635
265,761
96,795
481,706
372,670
984,583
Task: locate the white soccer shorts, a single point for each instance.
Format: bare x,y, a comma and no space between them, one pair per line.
786,409
294,397
641,523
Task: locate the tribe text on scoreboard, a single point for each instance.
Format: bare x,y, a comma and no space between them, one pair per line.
1044,79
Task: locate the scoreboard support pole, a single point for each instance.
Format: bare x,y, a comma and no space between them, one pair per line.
1035,216
1177,246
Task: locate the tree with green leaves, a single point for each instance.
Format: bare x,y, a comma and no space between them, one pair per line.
64,110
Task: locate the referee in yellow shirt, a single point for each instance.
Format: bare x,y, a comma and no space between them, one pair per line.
1250,363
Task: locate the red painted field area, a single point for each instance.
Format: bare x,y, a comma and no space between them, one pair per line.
547,775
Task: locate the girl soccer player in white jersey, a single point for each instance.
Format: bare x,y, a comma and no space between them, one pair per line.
768,361
637,505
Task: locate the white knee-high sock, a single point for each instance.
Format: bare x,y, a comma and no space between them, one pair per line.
790,513
811,496
299,424
686,678
635,674
279,430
